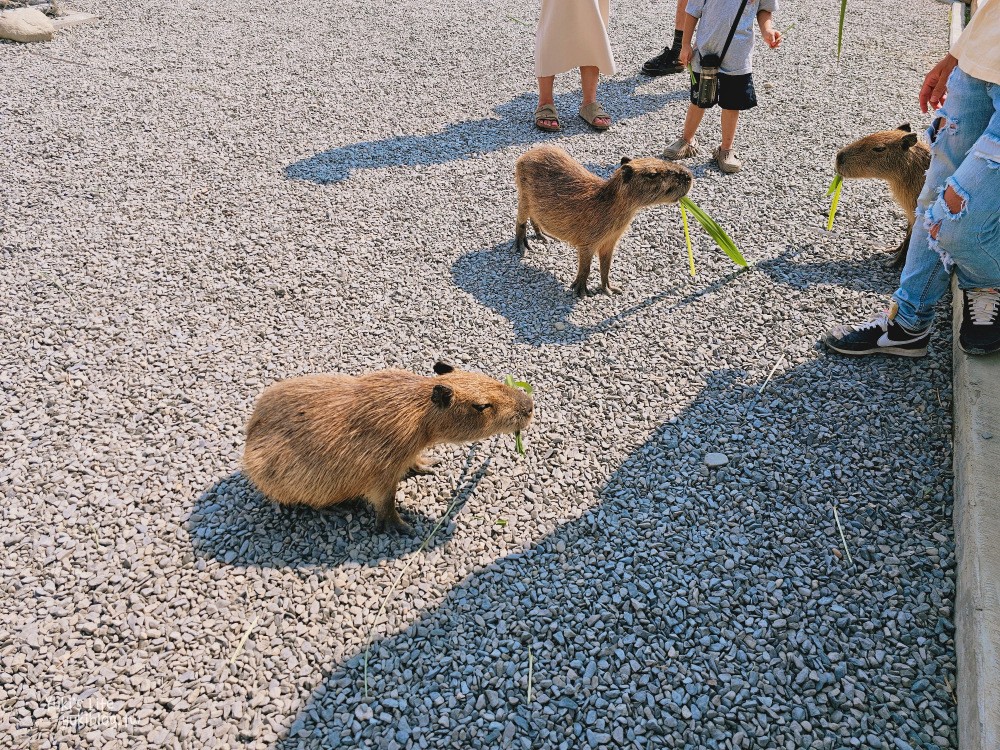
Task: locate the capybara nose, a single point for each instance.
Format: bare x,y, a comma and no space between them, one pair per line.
840,158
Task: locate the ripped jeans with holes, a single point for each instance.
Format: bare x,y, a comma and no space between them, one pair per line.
965,172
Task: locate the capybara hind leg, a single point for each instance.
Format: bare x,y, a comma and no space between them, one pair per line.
584,256
387,518
899,254
606,286
538,232
521,239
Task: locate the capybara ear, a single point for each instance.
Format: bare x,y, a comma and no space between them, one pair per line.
626,159
441,396
627,172
442,368
905,126
909,141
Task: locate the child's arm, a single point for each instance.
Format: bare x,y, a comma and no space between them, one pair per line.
687,50
770,35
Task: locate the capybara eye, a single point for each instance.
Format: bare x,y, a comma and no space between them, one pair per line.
481,407
879,148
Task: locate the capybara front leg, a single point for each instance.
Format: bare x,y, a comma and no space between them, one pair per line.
421,467
387,518
605,258
538,232
584,256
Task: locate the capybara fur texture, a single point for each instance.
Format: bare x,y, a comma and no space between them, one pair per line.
897,157
319,440
562,199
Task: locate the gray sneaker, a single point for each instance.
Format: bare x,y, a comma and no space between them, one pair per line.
680,149
728,162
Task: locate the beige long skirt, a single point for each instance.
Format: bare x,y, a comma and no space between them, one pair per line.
572,33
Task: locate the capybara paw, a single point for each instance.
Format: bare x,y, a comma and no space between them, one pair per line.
421,469
521,246
580,289
393,525
610,289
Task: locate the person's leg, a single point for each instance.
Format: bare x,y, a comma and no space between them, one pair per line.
963,225
730,119
905,328
667,61
545,96
692,121
589,76
954,130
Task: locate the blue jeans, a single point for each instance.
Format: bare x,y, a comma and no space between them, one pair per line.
965,155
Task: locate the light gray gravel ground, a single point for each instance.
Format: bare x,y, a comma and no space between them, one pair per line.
195,204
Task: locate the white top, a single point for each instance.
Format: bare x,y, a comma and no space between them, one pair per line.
715,19
978,49
571,34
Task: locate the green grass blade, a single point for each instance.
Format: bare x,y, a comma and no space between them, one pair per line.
840,29
717,233
527,388
694,81
687,238
835,185
838,183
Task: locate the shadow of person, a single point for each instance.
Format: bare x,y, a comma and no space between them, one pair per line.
539,305
686,601
871,273
234,523
467,140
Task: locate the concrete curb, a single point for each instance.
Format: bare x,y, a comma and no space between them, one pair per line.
977,544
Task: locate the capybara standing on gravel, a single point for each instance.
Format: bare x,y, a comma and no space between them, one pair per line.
319,440
897,157
563,200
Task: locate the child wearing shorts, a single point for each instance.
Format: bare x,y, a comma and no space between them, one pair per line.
714,20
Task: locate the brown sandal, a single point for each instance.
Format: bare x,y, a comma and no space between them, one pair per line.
593,111
547,112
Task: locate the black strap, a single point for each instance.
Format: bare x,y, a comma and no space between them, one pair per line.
732,31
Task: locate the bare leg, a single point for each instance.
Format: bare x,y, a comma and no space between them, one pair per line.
605,258
679,15
545,96
692,121
387,518
730,119
584,256
589,75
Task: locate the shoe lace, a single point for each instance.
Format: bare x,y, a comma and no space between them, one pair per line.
879,321
984,304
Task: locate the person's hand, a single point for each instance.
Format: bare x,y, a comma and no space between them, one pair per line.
686,55
935,88
773,38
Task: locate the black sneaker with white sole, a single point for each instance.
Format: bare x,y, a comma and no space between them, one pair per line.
980,329
663,64
880,335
